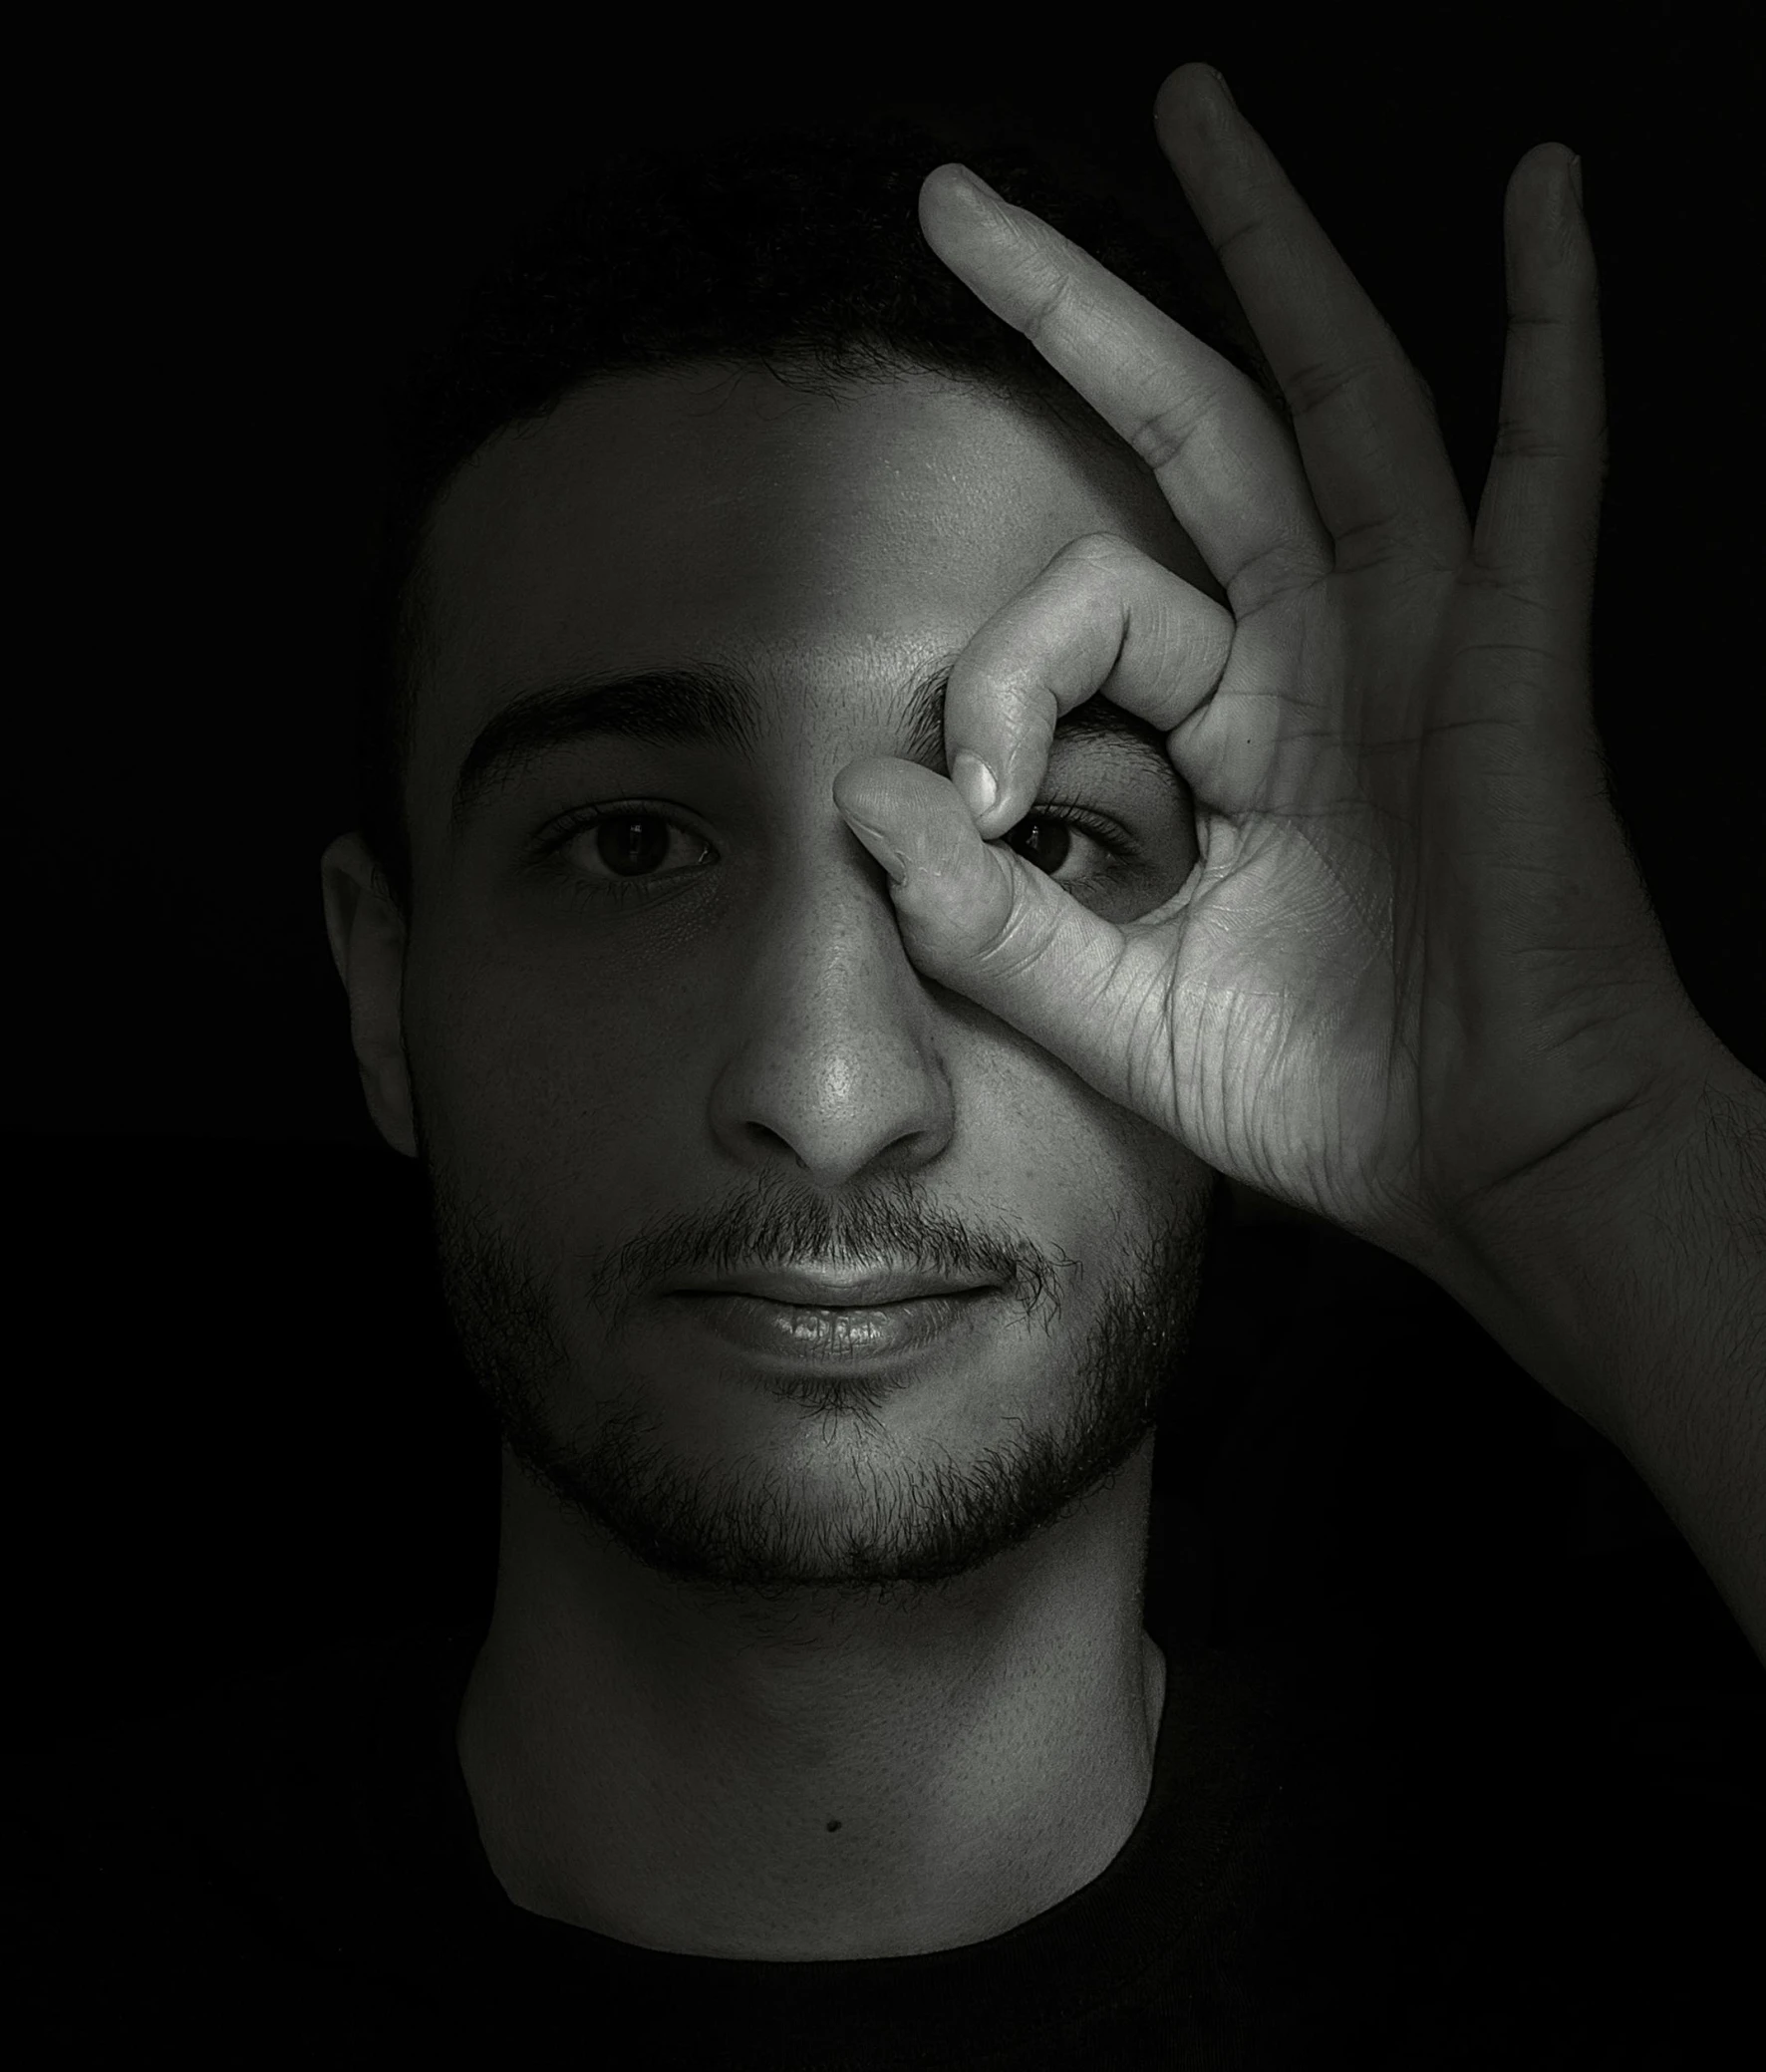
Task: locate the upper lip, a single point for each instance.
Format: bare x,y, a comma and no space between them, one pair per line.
826,1287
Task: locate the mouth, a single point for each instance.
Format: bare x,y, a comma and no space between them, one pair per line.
812,1288
800,1314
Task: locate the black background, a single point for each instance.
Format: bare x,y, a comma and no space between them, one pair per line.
240,1428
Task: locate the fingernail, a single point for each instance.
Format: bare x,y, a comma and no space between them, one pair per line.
1219,80
975,783
975,180
1572,173
882,848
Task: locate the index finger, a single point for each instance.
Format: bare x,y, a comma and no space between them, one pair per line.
1222,456
1105,619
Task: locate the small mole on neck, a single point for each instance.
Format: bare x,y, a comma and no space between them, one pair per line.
832,1825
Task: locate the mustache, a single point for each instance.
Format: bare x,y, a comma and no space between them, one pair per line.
773,1225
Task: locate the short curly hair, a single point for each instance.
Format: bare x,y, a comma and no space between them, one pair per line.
797,248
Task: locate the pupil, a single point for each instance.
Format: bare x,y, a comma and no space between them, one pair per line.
1042,843
631,846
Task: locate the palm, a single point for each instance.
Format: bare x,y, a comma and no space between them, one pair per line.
1296,973
1330,1011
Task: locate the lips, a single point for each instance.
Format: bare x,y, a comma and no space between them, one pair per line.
794,1314
818,1289
849,1331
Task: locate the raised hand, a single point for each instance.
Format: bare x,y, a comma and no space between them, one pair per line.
1414,963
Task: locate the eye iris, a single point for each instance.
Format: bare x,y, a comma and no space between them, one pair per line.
1045,843
632,844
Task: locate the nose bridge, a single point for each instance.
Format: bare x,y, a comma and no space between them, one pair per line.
832,1058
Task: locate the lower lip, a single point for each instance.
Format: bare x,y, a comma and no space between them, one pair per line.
800,1331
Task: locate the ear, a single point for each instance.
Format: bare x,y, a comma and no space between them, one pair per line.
366,934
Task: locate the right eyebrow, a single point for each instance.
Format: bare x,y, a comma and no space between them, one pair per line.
702,704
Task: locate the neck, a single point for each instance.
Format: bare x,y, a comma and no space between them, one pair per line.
822,1780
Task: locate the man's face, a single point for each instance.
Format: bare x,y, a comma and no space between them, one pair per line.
665,1043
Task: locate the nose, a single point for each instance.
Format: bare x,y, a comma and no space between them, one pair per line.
831,1067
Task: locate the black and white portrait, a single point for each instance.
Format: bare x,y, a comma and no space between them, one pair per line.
887,1128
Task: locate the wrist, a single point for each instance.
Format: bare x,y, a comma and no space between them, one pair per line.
1628,1269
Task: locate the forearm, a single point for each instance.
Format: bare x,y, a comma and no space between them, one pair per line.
1632,1285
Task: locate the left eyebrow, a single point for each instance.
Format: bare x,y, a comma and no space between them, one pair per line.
706,704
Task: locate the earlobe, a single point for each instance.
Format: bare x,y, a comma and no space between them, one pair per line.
367,933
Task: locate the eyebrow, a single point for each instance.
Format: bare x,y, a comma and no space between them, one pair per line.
662,707
711,704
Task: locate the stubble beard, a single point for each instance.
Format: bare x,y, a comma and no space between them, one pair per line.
917,1526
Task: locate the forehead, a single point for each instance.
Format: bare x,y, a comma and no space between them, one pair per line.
716,513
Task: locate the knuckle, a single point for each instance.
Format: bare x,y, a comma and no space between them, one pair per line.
1049,295
1321,383
1517,439
1317,385
1021,942
1083,596
1158,439
1390,542
1282,576
1385,371
1213,403
1246,231
1524,319
1103,557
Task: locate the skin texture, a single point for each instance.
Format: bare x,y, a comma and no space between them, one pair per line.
732,1612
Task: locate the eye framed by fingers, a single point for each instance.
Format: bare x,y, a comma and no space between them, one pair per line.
1115,830
1068,843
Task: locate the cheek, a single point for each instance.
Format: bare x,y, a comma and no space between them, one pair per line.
1139,1183
552,1064
1178,1189
1067,1163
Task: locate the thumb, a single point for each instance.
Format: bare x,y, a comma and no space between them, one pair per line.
976,917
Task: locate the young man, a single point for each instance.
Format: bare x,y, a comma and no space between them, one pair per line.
875,813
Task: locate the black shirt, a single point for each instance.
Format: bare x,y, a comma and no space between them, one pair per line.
1324,1873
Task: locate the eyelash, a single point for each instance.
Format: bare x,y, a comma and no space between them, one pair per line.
551,840
1104,832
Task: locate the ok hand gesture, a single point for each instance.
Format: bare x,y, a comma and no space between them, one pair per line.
1414,963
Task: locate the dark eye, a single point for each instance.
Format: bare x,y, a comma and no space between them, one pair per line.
1063,846
628,844
1046,843
634,844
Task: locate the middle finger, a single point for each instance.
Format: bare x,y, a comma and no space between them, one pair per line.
1372,451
